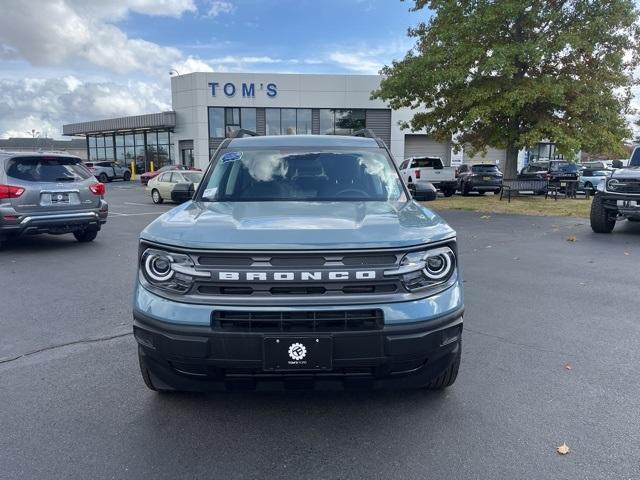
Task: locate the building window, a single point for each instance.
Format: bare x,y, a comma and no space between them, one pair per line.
327,125
248,118
288,119
341,122
223,122
303,121
272,120
216,122
349,121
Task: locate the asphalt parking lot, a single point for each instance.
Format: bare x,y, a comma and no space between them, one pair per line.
550,356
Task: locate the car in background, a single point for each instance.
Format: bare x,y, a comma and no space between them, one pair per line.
161,187
481,178
42,192
145,177
555,172
108,171
431,170
590,178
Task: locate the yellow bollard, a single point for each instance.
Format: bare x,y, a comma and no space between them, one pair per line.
133,170
153,168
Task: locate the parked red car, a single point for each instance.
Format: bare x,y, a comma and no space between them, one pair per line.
145,177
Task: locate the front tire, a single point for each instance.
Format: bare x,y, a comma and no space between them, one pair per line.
103,178
466,189
448,376
85,236
126,177
448,192
156,197
601,221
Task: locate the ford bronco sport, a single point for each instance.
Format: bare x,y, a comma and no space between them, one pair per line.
300,262
618,197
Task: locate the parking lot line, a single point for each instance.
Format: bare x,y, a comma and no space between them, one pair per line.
134,214
133,203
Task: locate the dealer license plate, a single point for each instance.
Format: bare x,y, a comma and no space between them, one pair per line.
284,353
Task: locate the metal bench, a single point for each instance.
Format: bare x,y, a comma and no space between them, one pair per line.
516,187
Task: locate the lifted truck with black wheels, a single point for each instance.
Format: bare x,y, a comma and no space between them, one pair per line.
618,197
300,261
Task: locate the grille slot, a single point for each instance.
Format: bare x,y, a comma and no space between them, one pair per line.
298,321
632,186
298,289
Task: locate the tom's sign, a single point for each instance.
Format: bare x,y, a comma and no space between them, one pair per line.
246,90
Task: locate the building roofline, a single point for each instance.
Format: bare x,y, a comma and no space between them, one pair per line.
137,122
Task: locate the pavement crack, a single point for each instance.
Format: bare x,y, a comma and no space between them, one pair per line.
62,345
518,344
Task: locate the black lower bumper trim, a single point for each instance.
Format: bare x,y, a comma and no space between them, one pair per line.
201,358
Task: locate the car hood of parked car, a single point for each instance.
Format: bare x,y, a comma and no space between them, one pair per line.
297,225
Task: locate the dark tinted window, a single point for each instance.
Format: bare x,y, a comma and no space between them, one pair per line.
426,163
635,158
259,175
47,169
484,169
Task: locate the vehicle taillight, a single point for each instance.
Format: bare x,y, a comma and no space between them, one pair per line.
9,191
417,174
98,188
456,173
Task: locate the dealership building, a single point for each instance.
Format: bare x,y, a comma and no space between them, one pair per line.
207,107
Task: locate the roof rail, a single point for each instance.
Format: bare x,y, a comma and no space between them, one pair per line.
365,132
243,132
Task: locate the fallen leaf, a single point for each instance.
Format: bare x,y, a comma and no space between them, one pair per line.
568,366
571,238
488,246
563,449
626,253
485,216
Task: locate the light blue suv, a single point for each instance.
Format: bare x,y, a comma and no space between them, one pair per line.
301,262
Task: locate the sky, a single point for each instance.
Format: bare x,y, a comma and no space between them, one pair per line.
65,61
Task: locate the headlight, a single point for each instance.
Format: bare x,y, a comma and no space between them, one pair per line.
426,269
614,183
168,270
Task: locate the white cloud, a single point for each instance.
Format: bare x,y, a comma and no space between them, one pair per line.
46,105
218,7
190,65
357,62
48,32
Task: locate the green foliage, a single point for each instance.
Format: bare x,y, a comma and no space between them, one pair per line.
509,73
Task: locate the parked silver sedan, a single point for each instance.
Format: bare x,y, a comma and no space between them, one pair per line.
161,187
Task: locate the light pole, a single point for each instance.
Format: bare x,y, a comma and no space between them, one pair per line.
173,72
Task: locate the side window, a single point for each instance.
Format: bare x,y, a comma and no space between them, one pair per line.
404,165
177,178
165,177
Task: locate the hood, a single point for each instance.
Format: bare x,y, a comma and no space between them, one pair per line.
297,225
628,172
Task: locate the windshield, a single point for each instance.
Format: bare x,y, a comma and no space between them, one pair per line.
288,175
192,177
484,169
47,169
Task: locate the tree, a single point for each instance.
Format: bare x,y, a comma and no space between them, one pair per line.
510,73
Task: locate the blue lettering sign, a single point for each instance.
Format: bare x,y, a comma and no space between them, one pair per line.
229,89
213,86
248,90
272,90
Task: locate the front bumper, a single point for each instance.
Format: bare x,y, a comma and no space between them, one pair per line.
198,357
625,204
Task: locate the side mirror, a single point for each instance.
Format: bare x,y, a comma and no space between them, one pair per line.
617,164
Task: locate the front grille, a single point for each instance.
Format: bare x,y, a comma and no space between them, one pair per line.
259,290
298,321
630,186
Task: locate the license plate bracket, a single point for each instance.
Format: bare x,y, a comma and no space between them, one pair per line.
297,353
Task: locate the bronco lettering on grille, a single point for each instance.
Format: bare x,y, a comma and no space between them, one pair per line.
301,276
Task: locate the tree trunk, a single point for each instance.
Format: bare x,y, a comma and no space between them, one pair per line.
511,165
